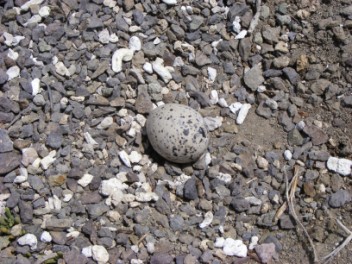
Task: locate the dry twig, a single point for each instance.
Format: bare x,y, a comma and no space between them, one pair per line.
347,240
290,196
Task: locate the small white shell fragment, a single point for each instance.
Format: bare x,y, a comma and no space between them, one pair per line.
262,163
254,242
22,177
146,197
8,38
12,54
44,11
235,248
213,123
124,158
104,36
214,97
156,41
235,107
341,166
85,180
87,251
48,160
219,242
300,125
45,237
35,83
100,254
208,218
222,102
212,74
135,157
13,72
61,69
287,155
109,187
148,67
27,5
89,139
242,113
253,200
225,177
54,203
163,72
236,25
135,43
241,35
106,122
119,56
170,2
261,89
113,38
109,3
33,19
28,240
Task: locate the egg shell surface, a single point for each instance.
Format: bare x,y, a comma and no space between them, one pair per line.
177,132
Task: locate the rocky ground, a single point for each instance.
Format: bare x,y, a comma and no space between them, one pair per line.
81,184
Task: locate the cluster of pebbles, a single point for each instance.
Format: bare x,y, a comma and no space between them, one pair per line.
81,183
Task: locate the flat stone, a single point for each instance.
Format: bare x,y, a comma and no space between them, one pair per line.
9,161
190,189
318,87
340,198
54,140
291,75
6,144
254,77
266,252
295,138
347,101
56,224
317,135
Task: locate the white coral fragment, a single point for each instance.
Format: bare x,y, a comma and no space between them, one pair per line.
120,56
163,72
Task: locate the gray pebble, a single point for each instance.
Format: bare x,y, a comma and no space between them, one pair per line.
6,144
190,189
340,198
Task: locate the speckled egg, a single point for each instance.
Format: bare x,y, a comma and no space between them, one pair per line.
177,132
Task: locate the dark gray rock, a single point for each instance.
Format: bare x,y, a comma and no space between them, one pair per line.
339,198
9,161
291,75
237,9
295,138
287,222
347,101
6,144
161,258
3,76
254,77
176,222
317,135
190,189
26,211
74,256
240,204
96,210
54,140
318,87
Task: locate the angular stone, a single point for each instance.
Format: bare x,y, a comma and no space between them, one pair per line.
254,77
6,144
340,198
317,135
9,161
58,224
